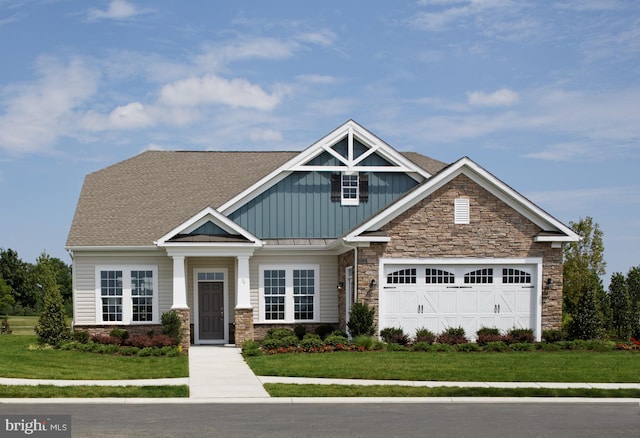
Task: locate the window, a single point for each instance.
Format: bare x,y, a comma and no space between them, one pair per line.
126,295
438,276
461,211
289,293
403,276
480,276
515,276
350,188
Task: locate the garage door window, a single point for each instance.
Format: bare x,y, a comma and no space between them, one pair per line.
515,276
403,276
480,276
438,276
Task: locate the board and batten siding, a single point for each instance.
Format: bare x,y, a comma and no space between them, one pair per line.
84,279
328,280
300,206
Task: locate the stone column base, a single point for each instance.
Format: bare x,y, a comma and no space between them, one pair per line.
184,315
244,326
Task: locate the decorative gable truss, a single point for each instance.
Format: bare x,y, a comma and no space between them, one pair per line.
349,152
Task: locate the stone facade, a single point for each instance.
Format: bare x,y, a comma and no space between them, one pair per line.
427,230
244,329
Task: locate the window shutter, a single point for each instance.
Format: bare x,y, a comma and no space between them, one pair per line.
335,187
364,187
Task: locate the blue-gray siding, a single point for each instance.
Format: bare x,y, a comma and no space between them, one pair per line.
300,206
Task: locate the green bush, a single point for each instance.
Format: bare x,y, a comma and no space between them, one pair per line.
324,330
452,336
299,331
552,335
311,343
467,348
441,348
361,320
498,346
172,325
424,335
392,346
488,331
279,333
119,334
335,340
421,346
521,335
545,346
81,337
394,335
51,327
522,346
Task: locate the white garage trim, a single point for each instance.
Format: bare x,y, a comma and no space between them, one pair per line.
535,263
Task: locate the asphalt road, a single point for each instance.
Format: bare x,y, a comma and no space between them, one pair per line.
493,420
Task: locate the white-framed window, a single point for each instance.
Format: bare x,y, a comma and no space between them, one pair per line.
349,189
461,209
127,294
289,293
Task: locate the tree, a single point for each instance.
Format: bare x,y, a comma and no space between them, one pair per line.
633,284
620,305
361,320
52,327
586,322
581,259
17,274
6,300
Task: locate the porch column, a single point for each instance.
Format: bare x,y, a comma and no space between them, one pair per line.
179,284
243,289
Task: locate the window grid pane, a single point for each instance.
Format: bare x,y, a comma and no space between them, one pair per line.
350,186
403,276
111,293
303,291
515,276
480,276
274,294
142,295
438,276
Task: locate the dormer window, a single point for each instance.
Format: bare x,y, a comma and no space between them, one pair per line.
350,188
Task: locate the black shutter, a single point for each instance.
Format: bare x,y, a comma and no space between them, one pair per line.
335,187
364,187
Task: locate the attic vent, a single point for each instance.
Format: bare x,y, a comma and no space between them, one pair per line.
461,211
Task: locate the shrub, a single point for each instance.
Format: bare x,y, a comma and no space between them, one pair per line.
251,348
488,331
312,336
361,320
421,346
392,346
496,346
129,351
300,331
105,339
394,335
484,339
467,348
5,329
441,348
335,340
311,343
51,327
279,333
172,325
550,347
119,334
552,335
521,335
139,341
339,333
452,336
324,330
81,337
522,346
364,341
163,341
145,352
424,335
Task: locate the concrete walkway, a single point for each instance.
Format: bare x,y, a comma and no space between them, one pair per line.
221,372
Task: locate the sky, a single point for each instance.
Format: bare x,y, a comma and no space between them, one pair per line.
545,95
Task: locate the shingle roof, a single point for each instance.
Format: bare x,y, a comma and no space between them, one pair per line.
136,201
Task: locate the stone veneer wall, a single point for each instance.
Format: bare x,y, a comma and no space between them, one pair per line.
244,329
495,231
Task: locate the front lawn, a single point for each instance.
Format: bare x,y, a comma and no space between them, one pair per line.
536,366
19,361
50,391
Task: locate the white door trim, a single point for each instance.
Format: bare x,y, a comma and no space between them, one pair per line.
196,316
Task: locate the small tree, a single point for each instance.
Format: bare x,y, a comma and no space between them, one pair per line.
361,320
52,326
620,305
633,285
172,326
587,319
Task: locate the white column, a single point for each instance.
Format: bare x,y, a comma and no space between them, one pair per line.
243,289
179,284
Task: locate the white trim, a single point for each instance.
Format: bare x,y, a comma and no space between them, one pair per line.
461,211
127,316
532,261
484,179
298,163
289,302
196,316
208,214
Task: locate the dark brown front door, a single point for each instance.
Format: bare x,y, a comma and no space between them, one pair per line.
211,310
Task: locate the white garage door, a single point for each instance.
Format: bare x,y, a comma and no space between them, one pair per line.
470,296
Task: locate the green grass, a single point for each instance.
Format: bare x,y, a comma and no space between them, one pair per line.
23,325
50,391
293,390
17,360
538,366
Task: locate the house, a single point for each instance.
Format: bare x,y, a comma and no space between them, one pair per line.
239,242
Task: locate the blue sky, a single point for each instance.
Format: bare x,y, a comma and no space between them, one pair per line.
544,95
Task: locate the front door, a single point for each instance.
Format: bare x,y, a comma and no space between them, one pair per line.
211,310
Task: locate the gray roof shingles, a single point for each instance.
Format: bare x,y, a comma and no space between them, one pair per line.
137,201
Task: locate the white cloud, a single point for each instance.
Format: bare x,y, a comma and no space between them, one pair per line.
213,89
265,135
501,97
117,10
130,116
37,113
323,37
